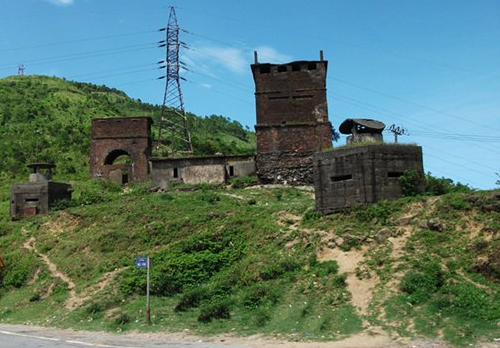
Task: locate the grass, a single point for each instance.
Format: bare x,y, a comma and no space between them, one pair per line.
245,258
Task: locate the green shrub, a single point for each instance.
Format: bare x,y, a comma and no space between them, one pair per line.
192,298
311,214
467,300
188,263
122,319
410,183
441,186
380,211
219,309
243,181
259,293
422,282
325,268
277,266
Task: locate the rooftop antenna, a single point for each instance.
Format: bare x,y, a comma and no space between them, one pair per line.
173,115
398,131
20,69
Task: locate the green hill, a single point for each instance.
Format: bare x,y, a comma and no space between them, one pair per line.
232,259
48,119
258,260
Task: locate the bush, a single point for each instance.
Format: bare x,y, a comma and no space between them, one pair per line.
122,319
441,186
467,300
311,214
380,211
422,282
243,181
410,183
259,293
217,310
188,263
191,299
277,266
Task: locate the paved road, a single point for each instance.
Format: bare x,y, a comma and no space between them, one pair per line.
19,336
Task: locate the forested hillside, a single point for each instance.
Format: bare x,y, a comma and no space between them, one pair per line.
48,119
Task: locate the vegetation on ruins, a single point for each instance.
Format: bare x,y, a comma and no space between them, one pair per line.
48,119
240,258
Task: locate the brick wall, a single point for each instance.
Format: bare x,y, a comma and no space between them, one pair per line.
292,119
131,136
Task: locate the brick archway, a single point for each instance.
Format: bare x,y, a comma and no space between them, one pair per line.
114,137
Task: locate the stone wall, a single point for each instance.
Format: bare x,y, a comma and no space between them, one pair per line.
364,174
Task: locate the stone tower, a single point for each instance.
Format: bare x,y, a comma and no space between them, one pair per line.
292,119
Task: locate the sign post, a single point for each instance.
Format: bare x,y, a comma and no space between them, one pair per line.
141,263
148,308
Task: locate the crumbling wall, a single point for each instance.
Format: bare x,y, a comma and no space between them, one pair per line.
365,174
292,119
112,137
200,169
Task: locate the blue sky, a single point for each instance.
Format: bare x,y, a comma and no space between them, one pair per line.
430,66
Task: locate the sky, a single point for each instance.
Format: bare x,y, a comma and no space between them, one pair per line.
432,67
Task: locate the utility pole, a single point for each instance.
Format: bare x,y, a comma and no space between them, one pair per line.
397,130
173,115
20,69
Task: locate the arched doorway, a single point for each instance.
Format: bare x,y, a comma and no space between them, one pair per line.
120,166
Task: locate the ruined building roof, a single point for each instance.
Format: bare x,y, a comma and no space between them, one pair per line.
367,125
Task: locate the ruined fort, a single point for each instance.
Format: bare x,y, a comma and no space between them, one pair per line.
294,146
292,119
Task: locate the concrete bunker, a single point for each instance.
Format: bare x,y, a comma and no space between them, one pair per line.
217,169
362,130
365,173
39,194
120,148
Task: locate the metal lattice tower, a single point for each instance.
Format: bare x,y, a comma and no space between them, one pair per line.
173,115
20,69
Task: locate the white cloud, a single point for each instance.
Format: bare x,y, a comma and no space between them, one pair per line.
268,54
61,2
208,58
206,85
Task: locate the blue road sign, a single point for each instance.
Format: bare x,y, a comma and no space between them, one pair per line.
141,262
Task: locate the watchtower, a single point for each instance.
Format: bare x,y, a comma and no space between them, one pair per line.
292,119
120,148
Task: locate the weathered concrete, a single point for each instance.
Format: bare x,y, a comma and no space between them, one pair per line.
27,199
364,174
115,137
200,169
292,119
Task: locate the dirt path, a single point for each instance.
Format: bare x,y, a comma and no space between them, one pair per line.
75,300
54,272
361,289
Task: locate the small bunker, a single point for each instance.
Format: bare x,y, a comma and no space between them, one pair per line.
217,169
363,173
39,194
362,130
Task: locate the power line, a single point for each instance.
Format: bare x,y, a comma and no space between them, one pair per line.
83,55
61,43
336,42
413,103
